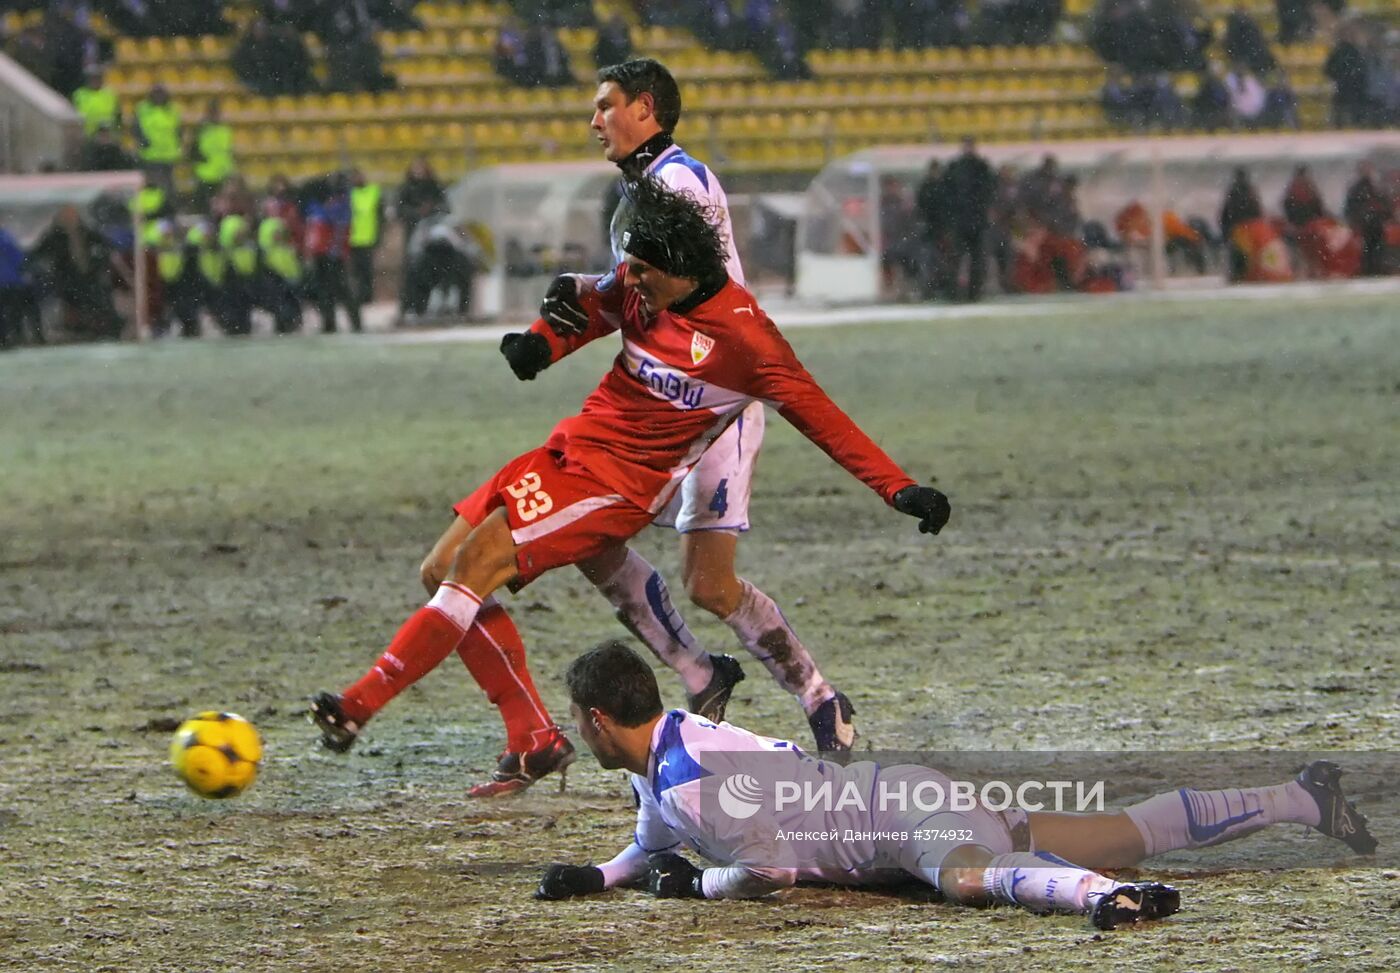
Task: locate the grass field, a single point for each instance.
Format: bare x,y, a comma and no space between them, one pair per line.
1174,527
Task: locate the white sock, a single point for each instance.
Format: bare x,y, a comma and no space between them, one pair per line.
764,631
1194,819
643,604
1042,882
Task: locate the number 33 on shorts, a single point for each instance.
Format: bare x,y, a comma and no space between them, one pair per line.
530,501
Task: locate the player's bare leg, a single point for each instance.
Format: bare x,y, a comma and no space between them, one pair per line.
464,567
707,568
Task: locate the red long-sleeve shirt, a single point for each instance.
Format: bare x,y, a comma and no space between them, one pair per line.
679,381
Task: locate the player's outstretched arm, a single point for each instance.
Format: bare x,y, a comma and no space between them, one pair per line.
562,881
782,381
672,876
574,312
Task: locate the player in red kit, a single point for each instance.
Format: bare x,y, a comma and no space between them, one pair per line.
697,350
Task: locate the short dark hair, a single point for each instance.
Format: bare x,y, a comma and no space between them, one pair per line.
648,75
673,231
612,678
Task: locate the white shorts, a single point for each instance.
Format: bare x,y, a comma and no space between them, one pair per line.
715,494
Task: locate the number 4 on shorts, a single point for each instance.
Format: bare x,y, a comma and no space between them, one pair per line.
719,503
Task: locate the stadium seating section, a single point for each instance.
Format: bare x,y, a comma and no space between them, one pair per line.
451,106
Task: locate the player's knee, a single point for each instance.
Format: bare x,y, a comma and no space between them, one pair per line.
719,596
431,572
961,876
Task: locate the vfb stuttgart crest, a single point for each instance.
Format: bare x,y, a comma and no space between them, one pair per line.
700,346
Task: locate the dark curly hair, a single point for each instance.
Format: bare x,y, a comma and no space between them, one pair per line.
673,231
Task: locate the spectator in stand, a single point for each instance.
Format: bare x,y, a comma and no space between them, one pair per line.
1241,203
1001,220
969,188
30,49
1244,42
934,212
715,21
1367,211
1008,22
69,46
104,153
1037,188
158,133
1302,200
18,306
510,58
420,195
899,247
1118,99
165,18
327,245
1280,104
548,60
1247,96
1390,87
780,52
211,153
273,60
353,59
74,263
1116,34
1350,75
614,42
854,24
97,103
1158,104
281,203
1210,108
1295,20
366,231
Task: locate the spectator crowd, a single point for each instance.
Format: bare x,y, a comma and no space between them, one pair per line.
965,222
1146,43
237,255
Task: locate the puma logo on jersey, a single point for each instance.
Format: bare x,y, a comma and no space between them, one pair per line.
700,346
746,309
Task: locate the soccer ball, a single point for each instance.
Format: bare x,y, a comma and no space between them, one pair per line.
216,754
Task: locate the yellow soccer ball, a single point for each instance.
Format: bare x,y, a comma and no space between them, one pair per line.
216,754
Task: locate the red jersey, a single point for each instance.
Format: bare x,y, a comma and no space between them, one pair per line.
682,377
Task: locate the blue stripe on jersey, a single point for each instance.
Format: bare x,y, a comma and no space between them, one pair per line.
680,157
674,764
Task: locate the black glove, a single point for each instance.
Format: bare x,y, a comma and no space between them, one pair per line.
527,353
926,503
673,877
565,881
561,308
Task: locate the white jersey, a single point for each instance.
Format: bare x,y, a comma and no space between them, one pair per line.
677,170
762,846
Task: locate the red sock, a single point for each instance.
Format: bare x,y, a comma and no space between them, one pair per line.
495,656
419,646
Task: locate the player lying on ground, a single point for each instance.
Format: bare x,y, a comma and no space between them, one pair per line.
636,109
604,473
984,856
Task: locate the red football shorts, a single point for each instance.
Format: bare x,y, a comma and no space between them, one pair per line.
558,512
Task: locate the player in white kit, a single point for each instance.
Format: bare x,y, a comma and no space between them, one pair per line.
637,107
1039,860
